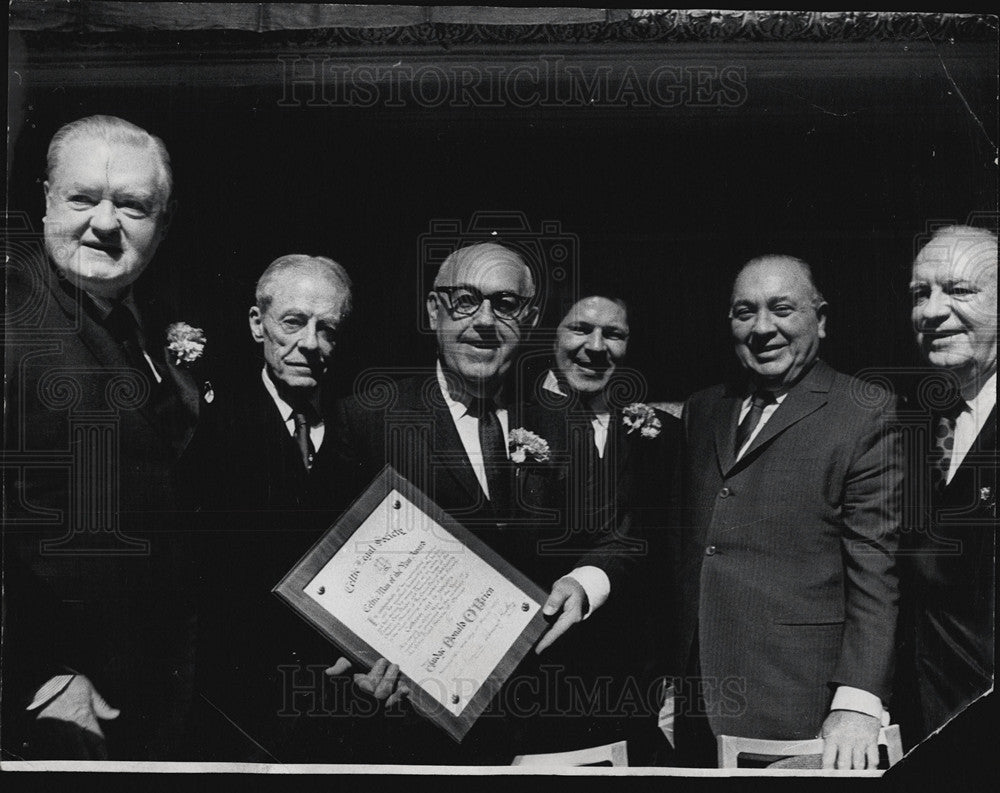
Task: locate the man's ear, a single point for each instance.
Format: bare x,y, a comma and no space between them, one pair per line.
45,192
256,325
433,306
821,319
532,317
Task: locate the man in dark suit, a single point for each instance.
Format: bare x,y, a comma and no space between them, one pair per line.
268,515
101,408
446,431
787,557
620,458
950,560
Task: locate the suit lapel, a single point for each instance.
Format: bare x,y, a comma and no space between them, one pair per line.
108,353
619,442
807,396
188,395
983,449
727,411
446,453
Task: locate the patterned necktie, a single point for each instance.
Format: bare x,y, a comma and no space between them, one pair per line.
750,421
494,451
944,443
303,438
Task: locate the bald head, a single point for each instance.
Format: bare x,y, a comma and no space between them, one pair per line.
476,260
793,268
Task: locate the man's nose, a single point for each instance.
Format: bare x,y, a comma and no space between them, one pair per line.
937,305
595,341
763,324
309,338
104,219
484,314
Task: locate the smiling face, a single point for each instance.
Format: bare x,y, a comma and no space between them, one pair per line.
105,213
954,288
479,348
775,320
591,341
298,328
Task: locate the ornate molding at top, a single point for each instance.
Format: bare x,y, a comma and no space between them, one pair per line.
639,27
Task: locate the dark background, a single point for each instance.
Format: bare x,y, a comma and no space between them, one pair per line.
840,153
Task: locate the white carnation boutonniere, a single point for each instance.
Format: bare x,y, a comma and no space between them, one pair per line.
640,416
988,499
527,447
185,343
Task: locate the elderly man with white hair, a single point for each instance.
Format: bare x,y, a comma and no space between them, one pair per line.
951,592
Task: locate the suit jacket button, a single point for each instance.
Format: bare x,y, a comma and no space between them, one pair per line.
710,550
725,492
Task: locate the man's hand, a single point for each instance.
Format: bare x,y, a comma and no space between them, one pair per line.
380,682
850,740
569,598
80,704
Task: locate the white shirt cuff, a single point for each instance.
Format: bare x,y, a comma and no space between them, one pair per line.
595,583
857,699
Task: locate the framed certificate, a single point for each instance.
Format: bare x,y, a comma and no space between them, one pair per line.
396,577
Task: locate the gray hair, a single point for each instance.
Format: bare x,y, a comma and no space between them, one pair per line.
965,234
328,268
111,129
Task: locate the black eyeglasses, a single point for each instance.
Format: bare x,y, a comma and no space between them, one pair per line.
464,301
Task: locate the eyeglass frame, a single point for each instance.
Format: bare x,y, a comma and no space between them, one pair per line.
517,316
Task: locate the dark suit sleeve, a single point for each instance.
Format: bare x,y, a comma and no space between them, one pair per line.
871,516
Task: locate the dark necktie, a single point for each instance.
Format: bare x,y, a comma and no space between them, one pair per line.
125,330
303,438
750,421
491,443
944,443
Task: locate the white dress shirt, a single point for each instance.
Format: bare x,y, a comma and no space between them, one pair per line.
593,579
468,430
287,412
970,422
845,697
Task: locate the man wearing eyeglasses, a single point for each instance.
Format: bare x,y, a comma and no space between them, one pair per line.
453,446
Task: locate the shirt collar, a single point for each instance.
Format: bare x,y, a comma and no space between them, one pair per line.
458,408
982,403
552,384
283,407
